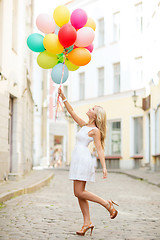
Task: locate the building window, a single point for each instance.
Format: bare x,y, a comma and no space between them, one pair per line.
113,143
81,85
116,70
101,81
139,71
15,25
138,136
138,18
116,26
101,32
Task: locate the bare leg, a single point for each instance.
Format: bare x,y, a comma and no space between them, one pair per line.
84,205
80,192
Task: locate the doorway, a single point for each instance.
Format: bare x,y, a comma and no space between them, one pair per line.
57,151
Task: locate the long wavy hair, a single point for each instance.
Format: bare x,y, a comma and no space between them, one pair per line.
101,123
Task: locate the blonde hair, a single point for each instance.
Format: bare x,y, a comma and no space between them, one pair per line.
101,123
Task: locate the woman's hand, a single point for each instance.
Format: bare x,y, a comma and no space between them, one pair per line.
60,93
104,173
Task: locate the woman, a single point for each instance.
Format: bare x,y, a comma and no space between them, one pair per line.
82,165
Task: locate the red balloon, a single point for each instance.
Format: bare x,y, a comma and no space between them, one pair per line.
67,35
75,47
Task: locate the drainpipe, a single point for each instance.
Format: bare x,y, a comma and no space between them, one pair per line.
157,108
155,123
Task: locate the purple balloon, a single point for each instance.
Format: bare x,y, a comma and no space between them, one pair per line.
78,18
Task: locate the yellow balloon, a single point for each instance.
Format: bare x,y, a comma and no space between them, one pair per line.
61,15
47,60
71,66
52,44
91,23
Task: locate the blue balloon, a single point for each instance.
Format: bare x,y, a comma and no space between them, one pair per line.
56,73
35,42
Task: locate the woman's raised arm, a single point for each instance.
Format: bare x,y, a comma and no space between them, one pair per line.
71,111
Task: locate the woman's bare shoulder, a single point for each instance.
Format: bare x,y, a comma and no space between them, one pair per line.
95,131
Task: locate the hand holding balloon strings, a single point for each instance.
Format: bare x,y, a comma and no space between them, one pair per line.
66,51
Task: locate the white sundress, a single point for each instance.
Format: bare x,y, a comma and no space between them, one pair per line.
82,164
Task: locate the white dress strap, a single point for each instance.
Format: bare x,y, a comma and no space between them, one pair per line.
91,129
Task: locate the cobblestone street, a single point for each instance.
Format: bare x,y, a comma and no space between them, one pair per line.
53,212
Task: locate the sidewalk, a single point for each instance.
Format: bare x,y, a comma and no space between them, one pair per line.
142,174
26,184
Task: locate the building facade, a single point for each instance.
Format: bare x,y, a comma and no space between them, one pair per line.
58,129
16,101
44,97
125,62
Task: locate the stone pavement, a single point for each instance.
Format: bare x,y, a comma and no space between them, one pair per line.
142,174
39,178
52,212
32,181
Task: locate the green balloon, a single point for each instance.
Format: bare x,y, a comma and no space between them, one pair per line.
60,58
70,65
47,60
60,55
35,42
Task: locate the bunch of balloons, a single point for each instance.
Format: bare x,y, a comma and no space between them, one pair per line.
67,43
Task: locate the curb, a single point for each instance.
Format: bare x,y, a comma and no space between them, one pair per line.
30,189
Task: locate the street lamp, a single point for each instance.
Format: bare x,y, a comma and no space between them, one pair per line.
146,102
135,98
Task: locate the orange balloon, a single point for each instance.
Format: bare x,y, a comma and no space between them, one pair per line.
79,56
91,23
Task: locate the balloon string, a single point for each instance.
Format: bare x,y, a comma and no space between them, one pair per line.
58,100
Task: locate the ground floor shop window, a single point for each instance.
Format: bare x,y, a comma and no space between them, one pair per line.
138,135
113,141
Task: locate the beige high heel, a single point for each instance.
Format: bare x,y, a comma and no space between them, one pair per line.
112,210
84,229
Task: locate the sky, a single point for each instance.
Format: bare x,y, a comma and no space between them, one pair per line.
47,6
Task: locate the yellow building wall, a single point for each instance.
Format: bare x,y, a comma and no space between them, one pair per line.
155,93
121,109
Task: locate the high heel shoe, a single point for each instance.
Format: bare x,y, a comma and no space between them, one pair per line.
112,210
84,229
